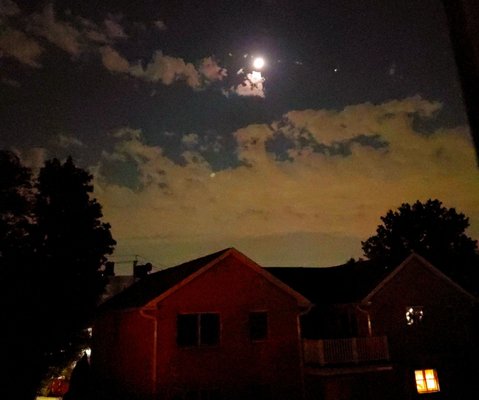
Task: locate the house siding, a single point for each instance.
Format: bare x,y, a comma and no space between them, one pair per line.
236,364
122,352
236,367
443,340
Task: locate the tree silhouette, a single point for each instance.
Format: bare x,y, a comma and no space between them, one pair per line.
431,230
15,208
72,243
16,253
52,247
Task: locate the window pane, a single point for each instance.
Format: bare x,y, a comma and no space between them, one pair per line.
426,381
209,329
431,380
420,382
258,325
187,330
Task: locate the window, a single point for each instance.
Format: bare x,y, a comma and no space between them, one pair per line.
198,329
426,381
258,325
414,315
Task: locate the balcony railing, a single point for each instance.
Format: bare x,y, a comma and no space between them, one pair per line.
345,351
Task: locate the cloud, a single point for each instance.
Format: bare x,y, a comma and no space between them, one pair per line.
328,126
16,44
160,25
10,82
76,35
190,140
314,194
113,61
60,33
113,28
210,69
67,141
33,157
91,31
8,8
253,85
167,70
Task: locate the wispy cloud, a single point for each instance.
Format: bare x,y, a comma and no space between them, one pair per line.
67,141
114,30
253,85
311,193
27,37
60,33
76,35
211,71
8,8
160,25
167,70
113,61
23,48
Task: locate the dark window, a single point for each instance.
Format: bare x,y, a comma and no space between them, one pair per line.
258,325
198,329
209,329
187,330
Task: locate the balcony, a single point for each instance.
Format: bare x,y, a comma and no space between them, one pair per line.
329,352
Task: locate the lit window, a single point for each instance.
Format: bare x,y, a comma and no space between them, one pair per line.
198,329
414,314
426,381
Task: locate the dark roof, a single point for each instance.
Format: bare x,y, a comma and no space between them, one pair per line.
153,285
346,283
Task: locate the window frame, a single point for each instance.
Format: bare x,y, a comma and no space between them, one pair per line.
199,339
426,381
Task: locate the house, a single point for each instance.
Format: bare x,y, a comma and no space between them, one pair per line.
403,334
216,327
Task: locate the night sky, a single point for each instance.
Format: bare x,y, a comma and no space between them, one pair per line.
357,110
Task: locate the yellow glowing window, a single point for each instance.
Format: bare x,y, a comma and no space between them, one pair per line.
426,381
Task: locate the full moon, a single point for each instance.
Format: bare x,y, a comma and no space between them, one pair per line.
258,63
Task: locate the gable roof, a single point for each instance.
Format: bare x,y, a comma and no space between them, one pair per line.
425,264
161,284
347,283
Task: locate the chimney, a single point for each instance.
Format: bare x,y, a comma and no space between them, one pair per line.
142,270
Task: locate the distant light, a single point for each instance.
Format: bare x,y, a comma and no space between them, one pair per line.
88,352
258,63
48,398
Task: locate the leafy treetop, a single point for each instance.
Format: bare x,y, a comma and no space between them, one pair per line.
435,232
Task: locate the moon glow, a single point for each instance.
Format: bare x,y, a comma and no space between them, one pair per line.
258,63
